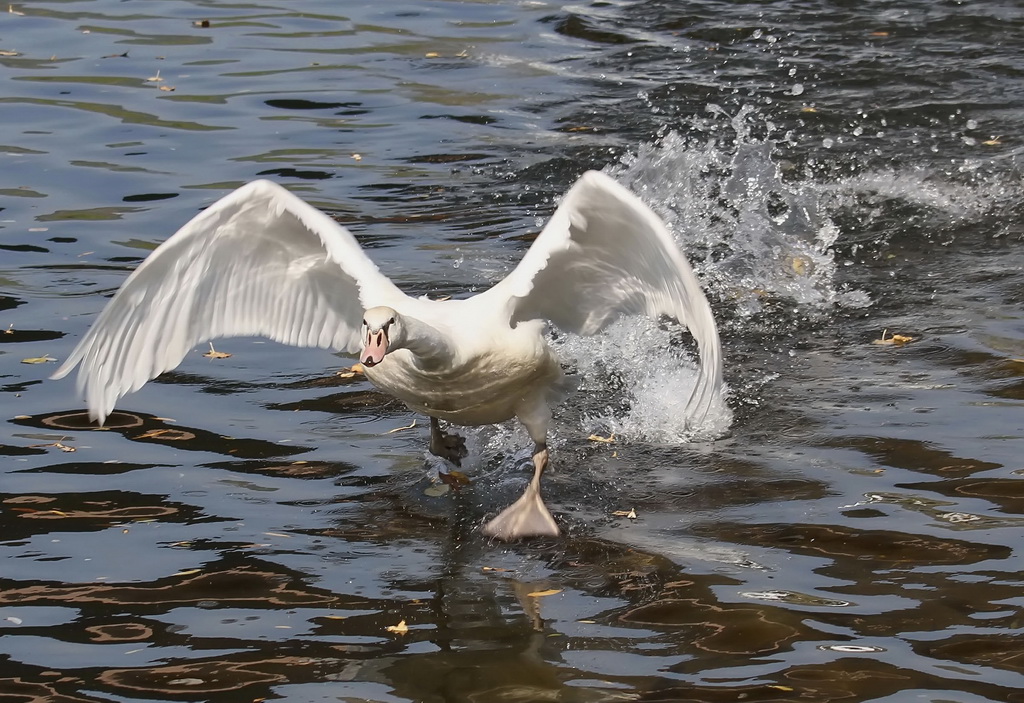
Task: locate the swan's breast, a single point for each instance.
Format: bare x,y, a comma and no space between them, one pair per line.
476,389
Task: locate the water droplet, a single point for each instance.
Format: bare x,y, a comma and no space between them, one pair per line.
827,142
797,89
972,124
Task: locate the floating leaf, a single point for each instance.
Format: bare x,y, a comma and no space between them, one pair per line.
598,438
496,568
631,514
399,429
432,55
170,89
38,359
437,490
357,157
896,339
541,594
214,354
188,572
155,79
400,629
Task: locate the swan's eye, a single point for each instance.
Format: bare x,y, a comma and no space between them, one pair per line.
364,324
390,322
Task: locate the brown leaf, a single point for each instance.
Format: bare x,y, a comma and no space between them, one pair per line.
598,438
214,354
896,339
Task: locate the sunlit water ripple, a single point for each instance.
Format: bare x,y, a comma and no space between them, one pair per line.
848,528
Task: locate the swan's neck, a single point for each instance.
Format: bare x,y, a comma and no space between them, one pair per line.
429,346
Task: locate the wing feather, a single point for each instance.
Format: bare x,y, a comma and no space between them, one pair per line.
258,262
605,254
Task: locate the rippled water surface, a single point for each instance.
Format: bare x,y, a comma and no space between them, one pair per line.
248,528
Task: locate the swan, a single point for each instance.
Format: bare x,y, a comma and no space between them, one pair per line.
262,262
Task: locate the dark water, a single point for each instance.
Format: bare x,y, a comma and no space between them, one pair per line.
248,527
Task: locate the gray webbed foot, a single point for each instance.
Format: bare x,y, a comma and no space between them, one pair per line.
446,445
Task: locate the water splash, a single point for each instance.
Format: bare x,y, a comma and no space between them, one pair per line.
754,233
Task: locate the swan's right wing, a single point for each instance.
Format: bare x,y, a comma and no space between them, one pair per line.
258,262
605,254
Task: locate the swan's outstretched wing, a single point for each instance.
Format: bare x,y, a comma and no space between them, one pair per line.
258,262
604,254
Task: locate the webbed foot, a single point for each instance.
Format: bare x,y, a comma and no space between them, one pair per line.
446,445
528,516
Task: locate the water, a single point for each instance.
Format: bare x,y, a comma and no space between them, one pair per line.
848,528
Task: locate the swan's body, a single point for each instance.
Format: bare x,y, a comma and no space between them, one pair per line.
260,261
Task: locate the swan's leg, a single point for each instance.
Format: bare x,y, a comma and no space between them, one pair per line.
447,446
528,516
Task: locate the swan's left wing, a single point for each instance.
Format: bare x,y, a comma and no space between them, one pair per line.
605,254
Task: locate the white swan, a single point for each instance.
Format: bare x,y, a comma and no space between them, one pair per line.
261,262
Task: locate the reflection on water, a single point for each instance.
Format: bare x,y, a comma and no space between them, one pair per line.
251,527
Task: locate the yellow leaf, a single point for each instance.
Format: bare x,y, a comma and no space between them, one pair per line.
400,629
432,55
167,88
187,572
38,359
631,514
496,568
598,438
541,594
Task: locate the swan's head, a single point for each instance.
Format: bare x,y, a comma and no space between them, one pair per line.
382,331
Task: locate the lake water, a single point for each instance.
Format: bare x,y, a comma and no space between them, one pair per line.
248,528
